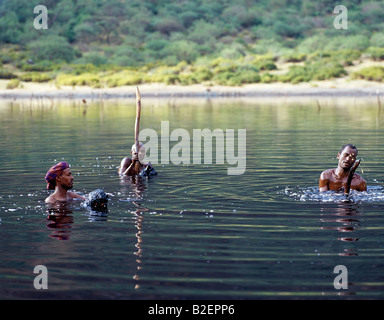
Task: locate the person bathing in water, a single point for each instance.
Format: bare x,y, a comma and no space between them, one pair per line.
59,178
336,179
127,165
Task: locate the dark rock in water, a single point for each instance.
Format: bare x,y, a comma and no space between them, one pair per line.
97,200
149,171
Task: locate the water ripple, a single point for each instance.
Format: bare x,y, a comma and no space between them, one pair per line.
374,194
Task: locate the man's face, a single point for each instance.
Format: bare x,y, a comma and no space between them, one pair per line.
141,155
66,179
347,158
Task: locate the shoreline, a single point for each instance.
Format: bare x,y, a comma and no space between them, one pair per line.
330,88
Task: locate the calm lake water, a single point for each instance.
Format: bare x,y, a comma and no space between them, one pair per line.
192,232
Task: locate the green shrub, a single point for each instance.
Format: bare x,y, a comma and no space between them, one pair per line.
377,39
35,77
131,79
187,78
224,65
377,54
77,69
296,74
93,58
30,67
324,70
268,78
222,78
237,78
171,79
249,76
374,73
5,74
53,48
86,79
295,57
202,74
347,54
266,65
312,44
163,74
13,84
318,55
344,57
123,79
298,79
351,42
319,70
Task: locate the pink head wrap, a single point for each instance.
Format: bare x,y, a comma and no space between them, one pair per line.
53,173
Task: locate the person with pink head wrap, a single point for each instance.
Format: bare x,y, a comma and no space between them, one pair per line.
59,178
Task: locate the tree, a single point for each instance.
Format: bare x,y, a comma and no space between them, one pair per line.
10,28
53,48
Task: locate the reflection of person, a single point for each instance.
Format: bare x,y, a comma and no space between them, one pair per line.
60,179
136,188
126,167
344,218
60,219
336,179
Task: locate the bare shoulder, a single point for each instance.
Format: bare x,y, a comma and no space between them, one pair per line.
326,174
358,178
50,199
359,183
125,163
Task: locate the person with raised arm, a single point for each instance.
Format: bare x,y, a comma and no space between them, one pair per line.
343,178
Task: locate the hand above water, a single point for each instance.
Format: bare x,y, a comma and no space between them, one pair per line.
350,176
354,167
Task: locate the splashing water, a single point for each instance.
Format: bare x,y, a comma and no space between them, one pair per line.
374,194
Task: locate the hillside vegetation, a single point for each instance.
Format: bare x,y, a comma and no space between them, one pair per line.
109,43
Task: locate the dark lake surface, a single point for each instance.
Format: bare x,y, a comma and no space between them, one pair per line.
193,231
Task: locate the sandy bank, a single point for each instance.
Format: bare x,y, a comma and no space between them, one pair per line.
337,87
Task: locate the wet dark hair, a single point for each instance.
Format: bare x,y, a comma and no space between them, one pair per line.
98,200
348,145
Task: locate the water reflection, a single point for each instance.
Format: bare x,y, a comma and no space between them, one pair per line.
339,213
139,244
60,220
136,187
344,218
97,216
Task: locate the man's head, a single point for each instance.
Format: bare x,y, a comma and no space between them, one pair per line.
141,154
59,174
347,156
98,200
